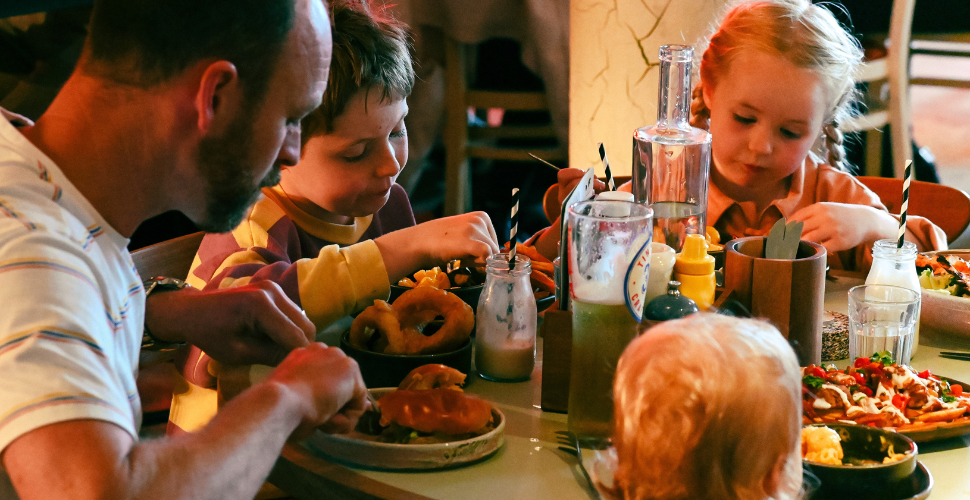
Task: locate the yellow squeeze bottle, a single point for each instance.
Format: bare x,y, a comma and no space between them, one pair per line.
694,269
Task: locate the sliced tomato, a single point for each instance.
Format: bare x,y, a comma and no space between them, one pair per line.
817,372
924,374
865,390
899,401
860,378
861,362
956,390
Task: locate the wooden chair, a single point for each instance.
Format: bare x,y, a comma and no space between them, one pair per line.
463,142
171,258
156,373
945,206
891,71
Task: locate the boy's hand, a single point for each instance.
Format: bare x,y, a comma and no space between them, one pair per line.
327,386
433,243
841,226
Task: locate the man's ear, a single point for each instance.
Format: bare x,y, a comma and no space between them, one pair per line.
218,91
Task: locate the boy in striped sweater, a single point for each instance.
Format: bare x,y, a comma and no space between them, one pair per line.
336,231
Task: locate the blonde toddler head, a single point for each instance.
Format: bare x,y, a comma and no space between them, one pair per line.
708,407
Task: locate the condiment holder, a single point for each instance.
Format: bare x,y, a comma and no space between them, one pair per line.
789,293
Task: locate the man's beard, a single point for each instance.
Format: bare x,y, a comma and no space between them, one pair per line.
230,188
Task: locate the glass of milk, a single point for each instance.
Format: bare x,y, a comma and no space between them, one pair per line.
505,328
882,318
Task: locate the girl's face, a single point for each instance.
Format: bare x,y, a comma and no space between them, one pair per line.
349,171
765,115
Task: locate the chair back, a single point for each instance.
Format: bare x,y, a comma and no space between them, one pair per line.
945,206
171,258
490,143
890,71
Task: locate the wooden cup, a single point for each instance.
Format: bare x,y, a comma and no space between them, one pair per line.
790,294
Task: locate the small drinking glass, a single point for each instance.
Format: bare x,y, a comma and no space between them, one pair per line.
882,318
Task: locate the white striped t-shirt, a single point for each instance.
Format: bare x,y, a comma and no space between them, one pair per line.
71,303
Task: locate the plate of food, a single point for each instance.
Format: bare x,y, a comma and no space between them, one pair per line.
427,422
944,277
877,392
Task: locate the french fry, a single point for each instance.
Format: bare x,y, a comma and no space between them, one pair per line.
531,253
880,419
543,282
942,415
542,267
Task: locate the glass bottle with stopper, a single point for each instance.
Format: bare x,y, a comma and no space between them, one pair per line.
671,159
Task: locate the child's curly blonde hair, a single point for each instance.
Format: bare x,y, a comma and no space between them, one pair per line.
708,407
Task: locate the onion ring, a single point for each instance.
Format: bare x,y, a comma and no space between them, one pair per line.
421,305
378,320
432,377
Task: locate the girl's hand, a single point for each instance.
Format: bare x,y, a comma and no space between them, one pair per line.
841,226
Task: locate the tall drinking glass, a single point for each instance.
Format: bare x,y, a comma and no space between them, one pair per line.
671,159
609,260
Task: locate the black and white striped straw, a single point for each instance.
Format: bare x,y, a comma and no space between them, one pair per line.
609,175
905,205
515,227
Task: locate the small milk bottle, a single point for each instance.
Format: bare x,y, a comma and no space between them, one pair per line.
897,267
505,329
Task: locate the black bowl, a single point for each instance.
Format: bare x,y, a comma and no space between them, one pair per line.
544,303
388,370
468,294
860,442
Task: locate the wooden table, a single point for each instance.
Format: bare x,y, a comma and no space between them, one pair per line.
531,466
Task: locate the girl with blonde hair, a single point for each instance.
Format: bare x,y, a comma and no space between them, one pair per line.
707,407
776,78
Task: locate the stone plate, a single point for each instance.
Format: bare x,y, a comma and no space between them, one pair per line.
362,450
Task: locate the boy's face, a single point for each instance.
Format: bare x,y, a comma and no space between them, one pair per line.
350,171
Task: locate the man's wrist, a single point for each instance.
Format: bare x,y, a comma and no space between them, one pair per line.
289,401
155,339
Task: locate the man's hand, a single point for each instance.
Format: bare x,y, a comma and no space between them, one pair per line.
256,323
327,383
841,226
230,457
467,236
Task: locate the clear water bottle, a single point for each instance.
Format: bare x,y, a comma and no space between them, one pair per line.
671,159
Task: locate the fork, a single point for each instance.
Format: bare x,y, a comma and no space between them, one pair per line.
569,443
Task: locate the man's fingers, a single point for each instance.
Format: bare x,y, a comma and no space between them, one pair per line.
261,352
281,329
296,315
